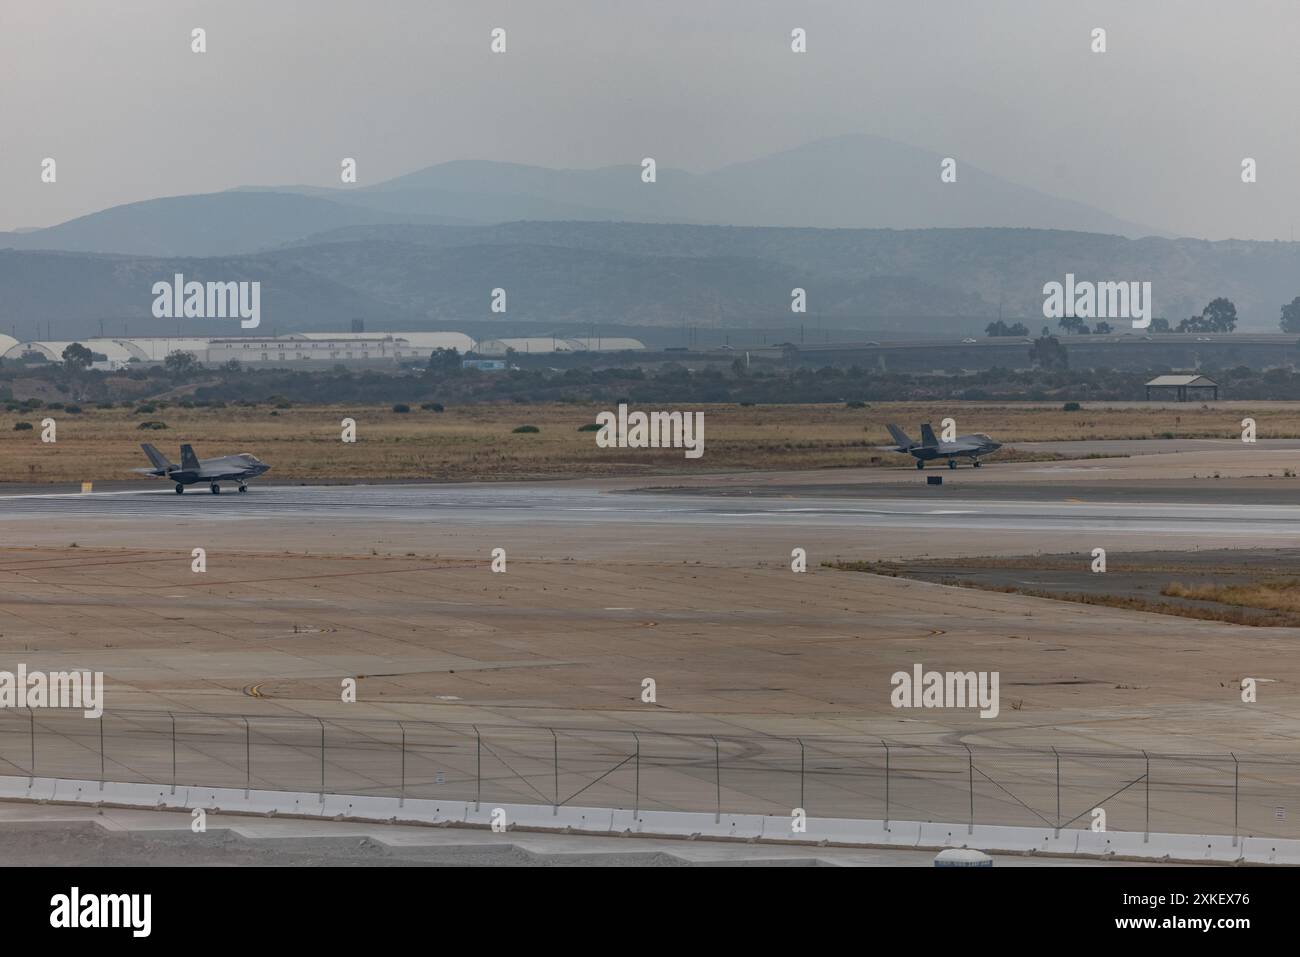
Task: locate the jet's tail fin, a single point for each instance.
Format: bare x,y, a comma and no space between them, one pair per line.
189,461
927,437
156,458
900,436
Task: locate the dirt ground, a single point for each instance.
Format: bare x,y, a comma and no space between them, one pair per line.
477,443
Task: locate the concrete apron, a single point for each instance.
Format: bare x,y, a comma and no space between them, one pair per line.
1119,845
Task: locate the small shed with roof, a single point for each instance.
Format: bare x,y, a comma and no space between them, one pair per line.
1185,388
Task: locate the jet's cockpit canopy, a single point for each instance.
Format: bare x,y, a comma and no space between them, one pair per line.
250,458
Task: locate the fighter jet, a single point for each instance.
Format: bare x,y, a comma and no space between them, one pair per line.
231,468
971,446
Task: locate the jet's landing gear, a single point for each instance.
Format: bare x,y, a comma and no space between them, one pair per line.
920,463
977,463
180,489
952,463
216,489
243,488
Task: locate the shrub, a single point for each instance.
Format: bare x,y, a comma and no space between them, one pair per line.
1071,407
152,424
401,407
103,405
56,406
22,426
589,427
855,404
145,409
747,404
526,428
432,407
72,409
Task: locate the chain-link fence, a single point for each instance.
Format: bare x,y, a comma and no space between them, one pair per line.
827,776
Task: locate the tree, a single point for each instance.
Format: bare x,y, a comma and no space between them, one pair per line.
1291,316
1220,315
444,361
180,364
1102,328
1048,353
76,356
1000,328
1072,324
1159,324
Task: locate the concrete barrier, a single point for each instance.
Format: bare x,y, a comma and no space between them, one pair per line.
1196,848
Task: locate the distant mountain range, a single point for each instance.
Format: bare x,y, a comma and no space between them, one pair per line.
849,182
719,250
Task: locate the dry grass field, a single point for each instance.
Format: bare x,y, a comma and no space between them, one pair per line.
476,442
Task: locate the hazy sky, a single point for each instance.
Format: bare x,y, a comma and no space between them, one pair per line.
1154,130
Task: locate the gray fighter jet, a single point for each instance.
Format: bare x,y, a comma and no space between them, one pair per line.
230,468
971,446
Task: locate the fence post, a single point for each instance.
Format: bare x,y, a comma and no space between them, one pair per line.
173,717
101,752
248,758
401,794
1056,831
1146,836
717,771
636,796
801,774
970,771
886,747
478,774
1236,777
555,745
322,759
